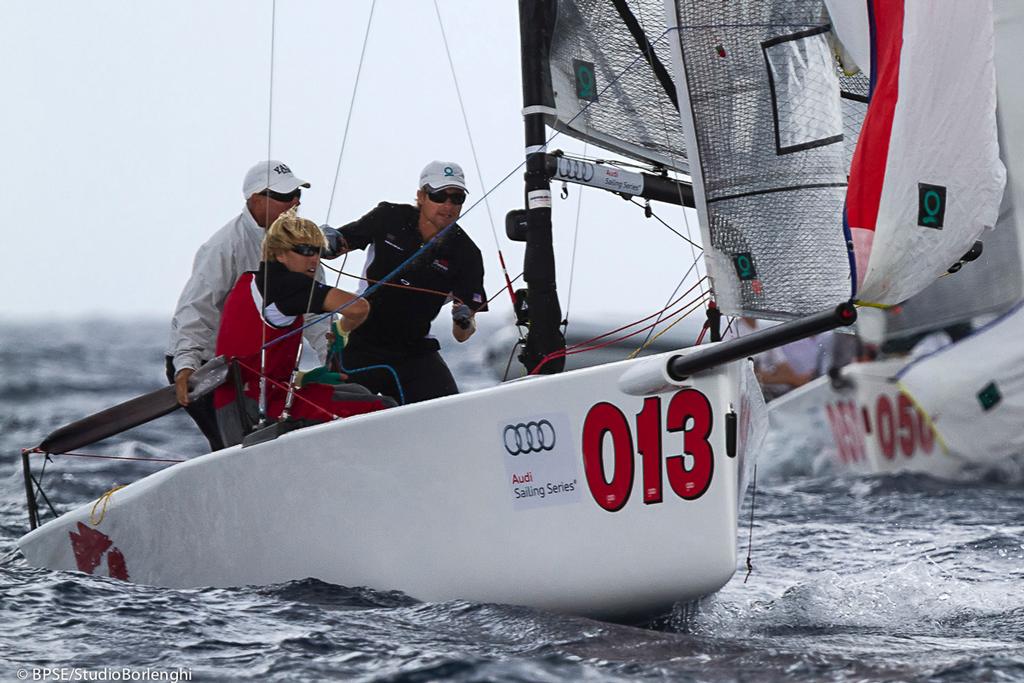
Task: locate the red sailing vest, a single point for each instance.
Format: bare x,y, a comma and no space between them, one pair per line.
242,333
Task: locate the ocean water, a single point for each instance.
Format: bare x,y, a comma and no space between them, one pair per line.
900,578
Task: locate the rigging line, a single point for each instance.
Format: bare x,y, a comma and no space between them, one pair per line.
475,204
683,311
290,396
270,94
667,304
703,330
412,288
576,348
606,87
103,500
697,304
728,327
472,147
348,118
497,294
39,486
429,243
511,355
401,266
671,150
339,270
111,457
636,322
750,537
266,218
338,355
575,241
650,167
284,387
663,222
702,27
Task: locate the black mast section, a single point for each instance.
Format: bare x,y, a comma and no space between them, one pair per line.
536,23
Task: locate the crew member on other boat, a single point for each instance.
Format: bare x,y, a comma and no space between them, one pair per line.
264,312
397,333
270,188
782,369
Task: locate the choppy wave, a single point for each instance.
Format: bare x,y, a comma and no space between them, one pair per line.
854,578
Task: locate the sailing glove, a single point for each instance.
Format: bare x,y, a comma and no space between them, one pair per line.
335,242
462,316
340,336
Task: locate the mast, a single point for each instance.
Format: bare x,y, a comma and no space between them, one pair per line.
536,20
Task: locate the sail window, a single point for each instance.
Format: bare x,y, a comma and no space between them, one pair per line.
805,91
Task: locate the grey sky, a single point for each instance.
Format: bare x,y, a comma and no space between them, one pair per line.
128,126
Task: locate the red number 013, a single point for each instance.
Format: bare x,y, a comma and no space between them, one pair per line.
689,473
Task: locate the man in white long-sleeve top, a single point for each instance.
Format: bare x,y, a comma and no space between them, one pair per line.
270,188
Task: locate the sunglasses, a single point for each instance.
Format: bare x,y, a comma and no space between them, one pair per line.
440,197
305,249
282,196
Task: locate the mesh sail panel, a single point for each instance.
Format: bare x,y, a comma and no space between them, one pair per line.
767,154
597,58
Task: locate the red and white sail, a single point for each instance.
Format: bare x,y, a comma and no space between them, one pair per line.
926,179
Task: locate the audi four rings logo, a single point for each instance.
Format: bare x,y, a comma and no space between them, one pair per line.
575,170
529,437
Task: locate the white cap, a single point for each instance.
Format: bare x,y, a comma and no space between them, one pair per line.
437,175
270,175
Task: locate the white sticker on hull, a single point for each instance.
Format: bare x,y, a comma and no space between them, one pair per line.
540,463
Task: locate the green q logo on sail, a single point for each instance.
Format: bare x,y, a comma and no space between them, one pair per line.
744,264
586,81
931,205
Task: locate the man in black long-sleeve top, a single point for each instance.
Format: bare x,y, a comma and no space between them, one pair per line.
397,333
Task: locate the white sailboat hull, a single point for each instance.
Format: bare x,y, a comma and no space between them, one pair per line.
428,499
974,390
870,425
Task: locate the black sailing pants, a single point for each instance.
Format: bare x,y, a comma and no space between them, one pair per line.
422,376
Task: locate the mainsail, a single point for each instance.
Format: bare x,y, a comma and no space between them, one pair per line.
610,81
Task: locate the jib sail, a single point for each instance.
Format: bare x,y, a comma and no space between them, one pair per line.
761,104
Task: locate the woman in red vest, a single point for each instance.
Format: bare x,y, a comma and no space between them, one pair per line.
260,330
